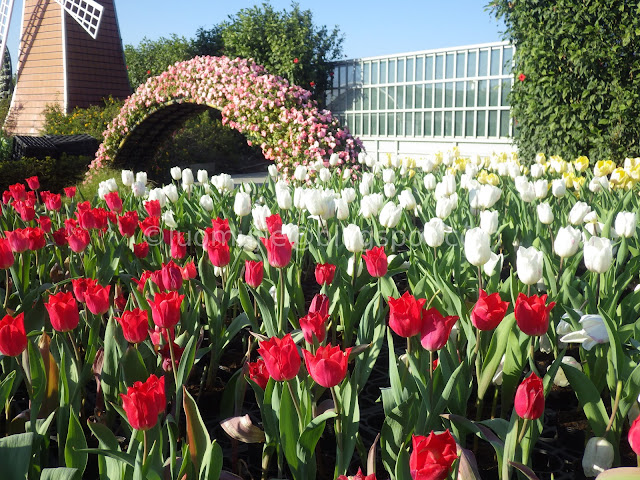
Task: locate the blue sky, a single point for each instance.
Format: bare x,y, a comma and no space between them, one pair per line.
373,27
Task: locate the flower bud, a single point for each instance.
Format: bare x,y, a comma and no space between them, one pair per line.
598,457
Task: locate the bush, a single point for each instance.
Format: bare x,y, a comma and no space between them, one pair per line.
54,174
577,90
92,120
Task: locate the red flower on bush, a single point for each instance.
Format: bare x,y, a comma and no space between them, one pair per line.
488,311
328,366
63,311
376,261
295,60
13,338
279,249
165,309
432,456
135,325
281,357
325,272
258,373
405,315
435,329
143,402
253,273
532,314
314,324
522,77
529,400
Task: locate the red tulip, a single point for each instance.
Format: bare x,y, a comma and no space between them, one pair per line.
13,338
529,400
171,276
120,302
165,353
405,315
26,212
63,311
33,182
189,271
488,311
325,272
219,254
70,192
128,223
141,250
314,324
18,240
6,197
150,226
35,237
320,304
80,287
253,273
86,219
97,298
101,218
156,277
278,250
143,402
634,436
53,201
532,314
18,192
274,223
221,231
165,309
178,245
135,325
153,208
142,280
60,237
435,329
45,223
78,239
281,357
358,476
432,456
328,366
6,254
114,202
258,373
376,261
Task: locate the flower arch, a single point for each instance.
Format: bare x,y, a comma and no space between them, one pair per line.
281,118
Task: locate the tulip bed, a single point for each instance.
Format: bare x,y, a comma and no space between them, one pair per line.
475,289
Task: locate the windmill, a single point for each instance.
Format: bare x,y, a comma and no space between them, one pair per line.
70,55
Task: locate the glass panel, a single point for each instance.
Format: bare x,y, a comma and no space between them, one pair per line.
457,131
350,99
438,97
351,122
450,65
448,124
367,73
471,93
391,75
335,78
428,96
374,124
374,73
420,69
493,123
365,98
494,93
401,70
417,124
400,97
358,94
468,128
504,123
365,124
358,124
481,124
391,123
408,99
383,71
482,93
419,92
495,61
507,58
408,124
427,123
439,66
399,124
484,63
471,64
506,88
358,78
383,98
391,98
429,68
459,94
448,94
410,75
374,98
437,124
350,79
460,61
343,75
382,129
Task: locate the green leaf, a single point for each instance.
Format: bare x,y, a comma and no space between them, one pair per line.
497,349
197,434
212,466
38,380
61,473
5,389
109,468
289,431
73,456
589,399
15,455
133,367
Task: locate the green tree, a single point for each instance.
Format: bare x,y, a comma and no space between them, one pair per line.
577,87
152,57
287,43
208,42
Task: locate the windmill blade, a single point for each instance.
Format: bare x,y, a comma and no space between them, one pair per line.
6,8
86,12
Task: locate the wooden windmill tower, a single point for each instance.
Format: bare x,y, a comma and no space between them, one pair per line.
70,55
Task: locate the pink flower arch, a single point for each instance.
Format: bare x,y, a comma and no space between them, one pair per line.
281,118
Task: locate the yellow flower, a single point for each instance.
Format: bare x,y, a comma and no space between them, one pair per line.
493,179
568,179
620,179
557,164
581,163
603,167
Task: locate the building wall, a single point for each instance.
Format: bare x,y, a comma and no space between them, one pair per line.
418,103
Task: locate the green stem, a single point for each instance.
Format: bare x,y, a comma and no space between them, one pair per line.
75,347
145,449
479,281
614,410
338,428
6,287
281,319
294,399
523,431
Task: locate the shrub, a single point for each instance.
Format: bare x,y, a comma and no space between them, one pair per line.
92,120
54,174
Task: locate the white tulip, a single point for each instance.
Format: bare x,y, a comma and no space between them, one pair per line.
362,156
489,268
176,173
529,265
370,205
334,159
626,223
541,187
283,197
273,171
488,196
103,190
141,177
203,176
430,181
407,200
348,194
342,209
171,192
489,221
127,178
187,177
594,332
537,170
260,214
578,212
567,242
169,221
206,202
389,190
598,456
139,189
527,194
159,195
292,232
390,215
477,246
434,232
300,173
247,242
350,263
558,188
324,174
298,197
545,214
598,254
242,204
223,182
561,379
445,206
388,175
352,237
